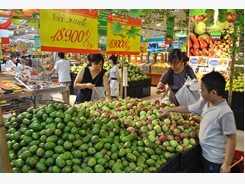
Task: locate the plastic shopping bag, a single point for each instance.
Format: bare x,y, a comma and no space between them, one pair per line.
187,97
98,93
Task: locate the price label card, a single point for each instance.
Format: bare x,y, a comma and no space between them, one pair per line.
69,30
138,58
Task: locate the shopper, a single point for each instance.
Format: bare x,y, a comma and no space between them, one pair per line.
18,68
9,63
114,77
91,76
62,67
217,133
174,77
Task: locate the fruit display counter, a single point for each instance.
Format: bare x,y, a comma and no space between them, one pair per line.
122,136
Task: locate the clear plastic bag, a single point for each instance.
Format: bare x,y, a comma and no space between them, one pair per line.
187,97
98,93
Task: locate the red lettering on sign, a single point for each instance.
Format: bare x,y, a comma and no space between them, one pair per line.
69,35
120,44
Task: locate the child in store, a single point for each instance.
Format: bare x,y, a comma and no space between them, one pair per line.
217,133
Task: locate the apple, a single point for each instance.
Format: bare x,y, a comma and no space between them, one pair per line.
192,141
152,138
165,128
143,129
138,124
167,121
157,128
167,155
186,141
181,128
192,134
130,129
179,148
185,147
170,137
150,127
154,122
163,138
173,143
177,138
171,149
178,122
166,144
143,135
176,131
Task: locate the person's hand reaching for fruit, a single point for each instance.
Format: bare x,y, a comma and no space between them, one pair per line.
160,88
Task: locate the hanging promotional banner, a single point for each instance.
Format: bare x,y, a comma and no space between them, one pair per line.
170,27
69,30
123,36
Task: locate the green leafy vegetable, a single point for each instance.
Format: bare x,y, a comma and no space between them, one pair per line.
133,32
148,11
222,15
136,13
210,12
116,28
209,21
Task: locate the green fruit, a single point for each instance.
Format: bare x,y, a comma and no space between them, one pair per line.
131,157
92,162
41,167
99,168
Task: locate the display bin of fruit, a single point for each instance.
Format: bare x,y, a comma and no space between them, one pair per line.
134,92
146,82
190,160
170,166
146,87
135,84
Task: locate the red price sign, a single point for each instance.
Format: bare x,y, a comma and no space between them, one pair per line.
69,30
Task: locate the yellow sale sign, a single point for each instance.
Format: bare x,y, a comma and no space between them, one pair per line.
69,30
123,36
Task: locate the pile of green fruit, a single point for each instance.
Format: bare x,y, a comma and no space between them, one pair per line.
96,137
76,68
238,84
134,72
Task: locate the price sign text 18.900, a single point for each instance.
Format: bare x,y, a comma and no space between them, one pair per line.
69,35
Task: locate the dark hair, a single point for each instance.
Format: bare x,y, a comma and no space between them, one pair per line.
96,58
89,57
61,55
114,59
185,58
175,54
17,61
214,81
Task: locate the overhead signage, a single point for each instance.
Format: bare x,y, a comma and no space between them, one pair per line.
69,30
123,35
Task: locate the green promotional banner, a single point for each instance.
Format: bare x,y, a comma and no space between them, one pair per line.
170,27
102,21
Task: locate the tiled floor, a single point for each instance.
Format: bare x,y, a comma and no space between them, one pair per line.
153,97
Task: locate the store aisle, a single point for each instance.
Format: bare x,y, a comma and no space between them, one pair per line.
153,97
